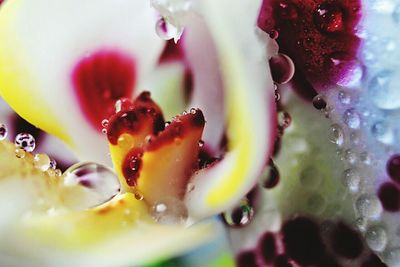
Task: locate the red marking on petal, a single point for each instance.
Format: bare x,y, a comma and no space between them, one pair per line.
132,165
311,32
99,80
143,115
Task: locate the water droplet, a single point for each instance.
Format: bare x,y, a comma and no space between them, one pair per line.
118,105
355,138
167,123
396,14
336,135
3,132
20,153
351,179
270,176
104,131
277,96
361,224
284,119
239,216
384,91
170,211
351,118
25,141
273,34
319,102
310,177
53,164
167,31
376,238
368,206
201,143
97,178
42,162
57,172
287,10
392,256
382,132
344,97
190,187
282,68
104,123
193,111
365,158
316,204
329,18
350,156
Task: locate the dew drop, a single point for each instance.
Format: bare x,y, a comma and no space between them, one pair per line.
19,153
270,176
384,91
201,143
3,132
329,18
382,132
368,206
376,238
97,178
361,224
273,34
284,119
104,131
319,102
57,172
392,256
336,135
41,162
25,141
167,31
282,68
344,98
104,123
170,211
351,118
286,10
350,156
53,164
393,167
396,14
351,180
239,216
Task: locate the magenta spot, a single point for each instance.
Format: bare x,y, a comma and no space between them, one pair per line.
346,242
393,168
389,195
247,259
99,80
268,247
310,32
302,240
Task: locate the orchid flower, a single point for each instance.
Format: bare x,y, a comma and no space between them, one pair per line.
268,112
87,68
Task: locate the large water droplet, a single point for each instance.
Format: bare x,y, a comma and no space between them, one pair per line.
25,141
282,68
319,102
101,181
351,118
376,238
384,90
240,215
167,31
368,206
3,132
382,132
270,176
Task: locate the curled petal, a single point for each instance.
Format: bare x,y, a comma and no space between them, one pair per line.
249,107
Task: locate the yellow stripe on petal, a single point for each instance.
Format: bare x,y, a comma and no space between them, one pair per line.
249,106
17,84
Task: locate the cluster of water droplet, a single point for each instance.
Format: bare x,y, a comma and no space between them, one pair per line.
365,128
